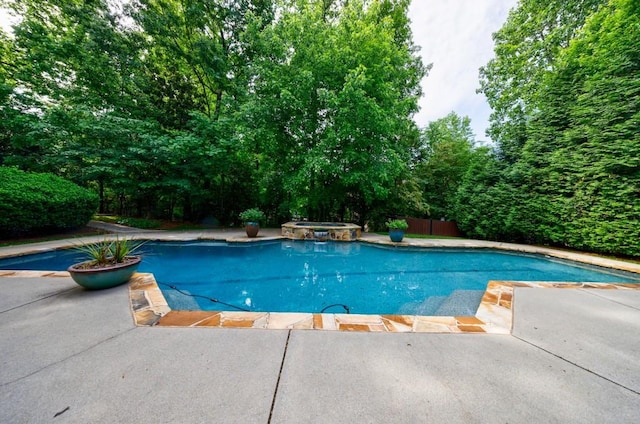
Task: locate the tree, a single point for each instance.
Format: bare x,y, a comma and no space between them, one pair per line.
582,158
526,47
486,204
101,103
337,102
444,157
192,108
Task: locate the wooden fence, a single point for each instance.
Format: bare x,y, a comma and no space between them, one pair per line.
432,227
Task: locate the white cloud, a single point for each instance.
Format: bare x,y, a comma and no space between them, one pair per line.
6,20
455,35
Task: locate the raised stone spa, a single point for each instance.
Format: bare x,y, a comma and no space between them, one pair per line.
304,230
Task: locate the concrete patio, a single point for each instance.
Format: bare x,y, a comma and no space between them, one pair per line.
72,356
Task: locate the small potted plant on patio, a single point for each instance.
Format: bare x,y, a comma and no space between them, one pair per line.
251,218
397,227
110,263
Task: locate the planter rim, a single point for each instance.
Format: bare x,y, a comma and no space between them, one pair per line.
73,268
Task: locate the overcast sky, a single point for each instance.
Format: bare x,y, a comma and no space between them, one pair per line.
455,35
4,19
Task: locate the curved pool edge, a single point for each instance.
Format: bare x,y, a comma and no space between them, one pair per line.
585,258
272,234
210,235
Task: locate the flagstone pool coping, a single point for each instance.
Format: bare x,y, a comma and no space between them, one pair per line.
493,316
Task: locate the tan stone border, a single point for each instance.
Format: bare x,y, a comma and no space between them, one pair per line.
494,314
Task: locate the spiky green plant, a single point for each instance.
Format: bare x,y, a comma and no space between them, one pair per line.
107,252
121,248
98,253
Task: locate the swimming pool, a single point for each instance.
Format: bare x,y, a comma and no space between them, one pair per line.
359,278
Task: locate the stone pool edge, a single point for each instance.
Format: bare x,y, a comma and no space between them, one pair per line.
494,314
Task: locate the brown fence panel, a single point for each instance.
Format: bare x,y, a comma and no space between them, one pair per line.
432,227
445,228
418,226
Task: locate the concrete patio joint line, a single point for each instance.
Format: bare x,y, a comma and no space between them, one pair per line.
66,358
578,365
275,392
38,300
594,293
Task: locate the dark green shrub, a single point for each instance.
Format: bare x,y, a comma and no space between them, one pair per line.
398,224
37,203
252,215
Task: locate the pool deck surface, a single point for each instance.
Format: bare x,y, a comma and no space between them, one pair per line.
72,356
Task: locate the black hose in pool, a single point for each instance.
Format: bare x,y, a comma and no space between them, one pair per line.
346,308
212,299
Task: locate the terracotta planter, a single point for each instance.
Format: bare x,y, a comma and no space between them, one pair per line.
252,229
106,277
396,236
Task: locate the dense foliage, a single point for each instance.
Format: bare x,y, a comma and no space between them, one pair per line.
188,109
526,47
200,109
446,151
32,202
571,175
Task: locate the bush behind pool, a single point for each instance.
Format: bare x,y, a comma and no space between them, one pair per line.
31,202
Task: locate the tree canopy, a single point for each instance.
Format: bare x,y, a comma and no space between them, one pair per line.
195,108
569,174
185,109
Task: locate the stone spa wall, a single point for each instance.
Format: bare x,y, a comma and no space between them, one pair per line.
321,231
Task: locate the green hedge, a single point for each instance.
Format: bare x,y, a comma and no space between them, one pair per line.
36,203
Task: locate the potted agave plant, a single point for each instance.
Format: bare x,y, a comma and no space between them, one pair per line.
110,263
251,218
397,227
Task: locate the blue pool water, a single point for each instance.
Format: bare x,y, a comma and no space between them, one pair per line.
305,276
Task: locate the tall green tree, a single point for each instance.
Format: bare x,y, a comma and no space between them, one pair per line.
188,108
526,46
70,52
100,104
198,62
582,158
8,114
444,157
202,43
79,73
338,100
487,203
